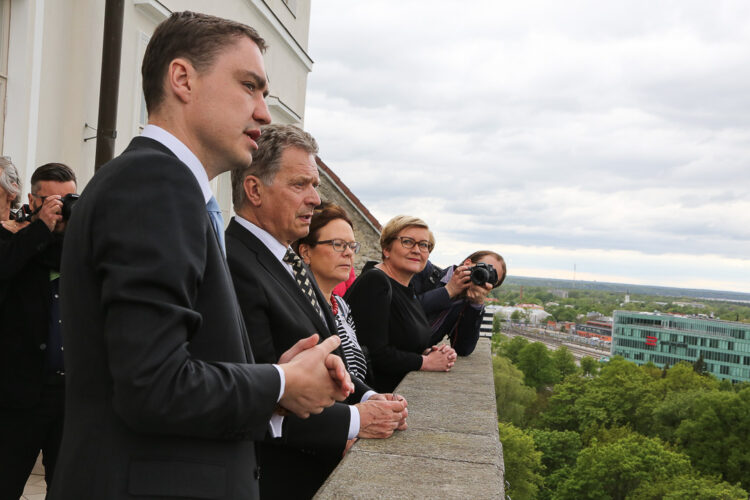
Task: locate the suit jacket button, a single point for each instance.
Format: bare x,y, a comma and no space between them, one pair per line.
256,473
42,347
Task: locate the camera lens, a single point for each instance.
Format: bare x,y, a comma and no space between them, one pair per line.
479,275
482,274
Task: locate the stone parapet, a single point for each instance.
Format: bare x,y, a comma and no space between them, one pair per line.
450,450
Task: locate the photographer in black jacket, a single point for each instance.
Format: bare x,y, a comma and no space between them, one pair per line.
32,381
453,298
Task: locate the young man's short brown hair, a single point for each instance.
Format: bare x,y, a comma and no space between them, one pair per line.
57,172
194,36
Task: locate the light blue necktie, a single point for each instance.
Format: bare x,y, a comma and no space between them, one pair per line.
218,221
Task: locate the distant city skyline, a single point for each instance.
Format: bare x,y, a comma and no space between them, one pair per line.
627,290
613,136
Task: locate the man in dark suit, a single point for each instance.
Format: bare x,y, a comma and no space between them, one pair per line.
32,382
163,398
274,199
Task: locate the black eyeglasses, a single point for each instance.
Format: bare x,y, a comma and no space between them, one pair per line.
340,245
424,245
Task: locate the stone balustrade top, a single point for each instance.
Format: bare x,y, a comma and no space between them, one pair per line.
450,450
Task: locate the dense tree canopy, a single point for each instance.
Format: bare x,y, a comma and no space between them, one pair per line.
523,463
616,469
628,431
715,433
535,363
512,348
563,362
589,366
511,394
691,487
559,448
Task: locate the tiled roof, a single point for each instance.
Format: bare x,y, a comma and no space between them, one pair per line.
348,193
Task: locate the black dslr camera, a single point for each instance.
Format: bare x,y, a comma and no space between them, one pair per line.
24,214
483,273
70,199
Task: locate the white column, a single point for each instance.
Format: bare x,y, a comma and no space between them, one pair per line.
24,76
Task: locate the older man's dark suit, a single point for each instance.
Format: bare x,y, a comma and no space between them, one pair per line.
277,315
162,398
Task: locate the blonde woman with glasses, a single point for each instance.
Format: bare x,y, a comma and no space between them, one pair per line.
388,317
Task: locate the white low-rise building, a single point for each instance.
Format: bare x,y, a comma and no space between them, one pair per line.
534,315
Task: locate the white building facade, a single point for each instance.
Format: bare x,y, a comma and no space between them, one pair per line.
50,69
534,316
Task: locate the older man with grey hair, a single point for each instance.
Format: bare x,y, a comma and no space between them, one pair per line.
274,198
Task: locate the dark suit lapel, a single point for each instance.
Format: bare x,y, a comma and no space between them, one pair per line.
214,242
282,277
238,315
148,143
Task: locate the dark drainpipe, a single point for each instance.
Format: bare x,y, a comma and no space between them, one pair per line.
110,82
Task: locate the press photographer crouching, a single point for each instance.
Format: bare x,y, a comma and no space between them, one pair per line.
32,381
453,298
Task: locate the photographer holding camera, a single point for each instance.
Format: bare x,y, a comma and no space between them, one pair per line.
453,298
32,381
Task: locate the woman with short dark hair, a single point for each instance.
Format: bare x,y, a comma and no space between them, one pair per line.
328,250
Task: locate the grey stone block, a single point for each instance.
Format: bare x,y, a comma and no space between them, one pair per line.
450,450
393,476
442,445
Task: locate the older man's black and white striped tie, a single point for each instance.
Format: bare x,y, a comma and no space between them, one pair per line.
302,278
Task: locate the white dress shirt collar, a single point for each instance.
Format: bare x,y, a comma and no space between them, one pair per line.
274,246
183,153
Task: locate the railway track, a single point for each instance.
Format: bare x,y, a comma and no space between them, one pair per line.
578,351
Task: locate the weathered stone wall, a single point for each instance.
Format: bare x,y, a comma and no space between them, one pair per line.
364,232
450,450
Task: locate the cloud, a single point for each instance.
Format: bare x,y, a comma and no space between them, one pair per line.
581,124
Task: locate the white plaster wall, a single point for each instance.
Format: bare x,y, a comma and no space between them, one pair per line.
54,65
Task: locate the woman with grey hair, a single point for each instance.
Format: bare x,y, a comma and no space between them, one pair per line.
10,188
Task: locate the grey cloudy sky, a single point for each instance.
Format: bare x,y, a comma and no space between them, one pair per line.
613,136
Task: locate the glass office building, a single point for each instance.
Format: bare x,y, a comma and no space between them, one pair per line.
666,339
